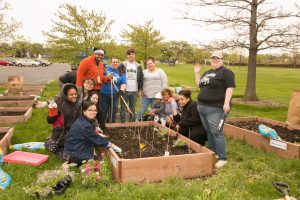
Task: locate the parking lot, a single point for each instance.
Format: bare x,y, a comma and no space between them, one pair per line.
34,75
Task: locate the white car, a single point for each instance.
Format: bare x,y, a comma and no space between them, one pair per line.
32,63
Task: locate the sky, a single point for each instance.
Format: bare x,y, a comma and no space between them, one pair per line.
36,16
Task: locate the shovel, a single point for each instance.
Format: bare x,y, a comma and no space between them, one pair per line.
283,188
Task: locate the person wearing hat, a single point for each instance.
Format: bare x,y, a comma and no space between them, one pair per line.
157,111
92,67
214,102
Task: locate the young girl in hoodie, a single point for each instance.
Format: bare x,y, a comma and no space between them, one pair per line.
171,106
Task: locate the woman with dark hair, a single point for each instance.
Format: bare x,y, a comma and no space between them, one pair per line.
189,123
82,138
63,111
85,93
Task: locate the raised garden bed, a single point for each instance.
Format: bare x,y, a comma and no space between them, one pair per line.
17,101
245,128
142,158
6,135
14,115
28,90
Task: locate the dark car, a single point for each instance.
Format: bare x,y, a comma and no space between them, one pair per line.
5,63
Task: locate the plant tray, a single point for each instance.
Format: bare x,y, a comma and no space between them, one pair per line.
152,169
21,157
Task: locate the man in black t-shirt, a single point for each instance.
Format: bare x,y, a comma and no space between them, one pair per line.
214,102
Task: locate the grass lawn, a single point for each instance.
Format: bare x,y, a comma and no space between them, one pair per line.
249,174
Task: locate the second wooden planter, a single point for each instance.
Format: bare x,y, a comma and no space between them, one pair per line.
281,148
152,169
17,101
14,115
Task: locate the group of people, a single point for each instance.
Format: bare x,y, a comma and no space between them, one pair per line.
82,108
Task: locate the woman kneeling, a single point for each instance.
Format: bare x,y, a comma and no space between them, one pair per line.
82,138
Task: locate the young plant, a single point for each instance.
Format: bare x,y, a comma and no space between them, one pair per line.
179,143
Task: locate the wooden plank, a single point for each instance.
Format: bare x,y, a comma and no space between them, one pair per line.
9,120
7,139
160,168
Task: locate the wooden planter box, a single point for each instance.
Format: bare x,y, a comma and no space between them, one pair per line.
6,135
281,148
17,101
153,169
28,90
11,118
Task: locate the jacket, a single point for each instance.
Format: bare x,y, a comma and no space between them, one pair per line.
69,77
67,113
82,139
190,123
140,75
88,69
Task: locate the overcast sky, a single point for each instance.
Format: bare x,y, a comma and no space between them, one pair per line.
36,16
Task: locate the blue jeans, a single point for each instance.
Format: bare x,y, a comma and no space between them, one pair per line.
130,98
105,104
210,117
145,102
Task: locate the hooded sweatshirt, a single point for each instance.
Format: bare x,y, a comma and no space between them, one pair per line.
68,111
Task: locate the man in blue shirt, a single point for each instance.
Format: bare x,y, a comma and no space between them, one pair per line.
109,94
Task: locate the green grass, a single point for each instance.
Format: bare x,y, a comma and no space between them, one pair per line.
249,174
2,90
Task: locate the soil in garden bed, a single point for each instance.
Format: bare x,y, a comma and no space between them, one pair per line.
152,143
284,133
2,134
11,113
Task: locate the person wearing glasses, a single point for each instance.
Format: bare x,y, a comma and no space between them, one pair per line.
134,85
214,102
82,139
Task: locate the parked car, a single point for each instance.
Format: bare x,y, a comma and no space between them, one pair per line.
32,63
5,63
44,63
14,62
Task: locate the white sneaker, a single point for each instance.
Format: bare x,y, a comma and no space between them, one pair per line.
220,164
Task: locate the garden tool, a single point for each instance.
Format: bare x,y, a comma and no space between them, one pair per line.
167,153
283,188
221,122
127,107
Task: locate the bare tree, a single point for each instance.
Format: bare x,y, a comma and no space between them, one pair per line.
255,25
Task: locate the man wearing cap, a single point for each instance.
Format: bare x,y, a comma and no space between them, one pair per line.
134,86
92,67
214,102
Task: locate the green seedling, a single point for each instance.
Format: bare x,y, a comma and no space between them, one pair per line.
179,143
162,133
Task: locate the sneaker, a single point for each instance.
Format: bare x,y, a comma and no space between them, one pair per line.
220,164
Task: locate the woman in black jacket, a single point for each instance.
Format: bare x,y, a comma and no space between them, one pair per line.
189,123
62,114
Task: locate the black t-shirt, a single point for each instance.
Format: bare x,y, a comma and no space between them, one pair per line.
213,85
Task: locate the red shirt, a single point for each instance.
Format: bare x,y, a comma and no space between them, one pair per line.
89,69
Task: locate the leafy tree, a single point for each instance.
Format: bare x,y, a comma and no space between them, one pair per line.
76,31
8,28
255,25
144,38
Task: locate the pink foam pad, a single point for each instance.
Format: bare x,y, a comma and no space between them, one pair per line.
26,158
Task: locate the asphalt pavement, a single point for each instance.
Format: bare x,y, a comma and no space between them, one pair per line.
34,75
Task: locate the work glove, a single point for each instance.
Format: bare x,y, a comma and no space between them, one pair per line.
116,149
